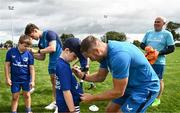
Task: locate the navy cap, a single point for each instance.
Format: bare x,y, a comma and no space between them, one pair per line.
74,44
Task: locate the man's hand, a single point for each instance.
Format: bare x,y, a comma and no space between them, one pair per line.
87,98
151,54
8,82
77,71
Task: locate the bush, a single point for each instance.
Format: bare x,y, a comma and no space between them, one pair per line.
177,44
136,43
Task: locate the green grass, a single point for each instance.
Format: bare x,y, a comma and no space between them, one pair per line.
42,95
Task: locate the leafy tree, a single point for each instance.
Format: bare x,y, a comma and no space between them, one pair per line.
65,36
172,27
113,35
136,43
8,44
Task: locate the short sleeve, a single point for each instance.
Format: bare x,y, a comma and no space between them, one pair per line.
31,59
145,38
50,36
170,40
8,56
64,78
120,65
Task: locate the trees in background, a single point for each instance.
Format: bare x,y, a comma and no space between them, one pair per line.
172,27
65,36
113,35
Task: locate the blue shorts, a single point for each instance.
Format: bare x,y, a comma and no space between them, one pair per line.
159,69
136,101
64,108
16,86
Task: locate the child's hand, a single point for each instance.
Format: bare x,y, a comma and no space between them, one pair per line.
32,84
8,82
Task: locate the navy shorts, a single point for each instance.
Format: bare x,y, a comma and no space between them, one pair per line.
136,101
16,86
159,69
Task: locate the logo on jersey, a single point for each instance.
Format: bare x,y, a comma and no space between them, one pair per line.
128,108
13,56
77,86
25,59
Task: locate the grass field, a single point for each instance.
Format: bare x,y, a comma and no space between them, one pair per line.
170,101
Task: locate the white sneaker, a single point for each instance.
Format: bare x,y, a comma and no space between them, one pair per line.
51,106
56,110
32,90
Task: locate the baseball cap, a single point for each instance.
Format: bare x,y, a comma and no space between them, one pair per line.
74,44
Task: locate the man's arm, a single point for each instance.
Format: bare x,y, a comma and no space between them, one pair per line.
7,73
69,100
167,50
51,48
119,86
32,73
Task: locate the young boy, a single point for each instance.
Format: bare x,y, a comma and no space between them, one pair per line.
19,63
68,89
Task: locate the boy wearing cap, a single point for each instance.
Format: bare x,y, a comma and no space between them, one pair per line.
68,90
20,64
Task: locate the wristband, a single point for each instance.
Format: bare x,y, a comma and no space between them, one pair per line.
39,51
84,76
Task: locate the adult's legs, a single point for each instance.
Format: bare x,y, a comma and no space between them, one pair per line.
113,108
159,69
52,105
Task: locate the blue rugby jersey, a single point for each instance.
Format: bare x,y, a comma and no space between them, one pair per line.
19,64
66,81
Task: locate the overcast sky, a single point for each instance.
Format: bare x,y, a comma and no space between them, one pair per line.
83,17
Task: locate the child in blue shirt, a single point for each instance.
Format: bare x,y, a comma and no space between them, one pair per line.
68,89
20,65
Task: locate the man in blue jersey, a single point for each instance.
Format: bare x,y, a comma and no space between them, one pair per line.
162,41
49,42
20,64
135,84
68,90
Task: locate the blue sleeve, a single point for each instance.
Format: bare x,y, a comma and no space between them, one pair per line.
64,78
83,61
31,59
170,40
8,56
50,36
103,64
120,65
145,38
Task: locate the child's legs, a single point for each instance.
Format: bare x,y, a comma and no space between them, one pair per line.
14,102
15,90
27,99
27,95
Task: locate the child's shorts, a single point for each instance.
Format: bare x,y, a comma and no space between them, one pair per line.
65,109
16,86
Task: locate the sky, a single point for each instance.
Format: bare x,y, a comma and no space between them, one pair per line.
84,17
